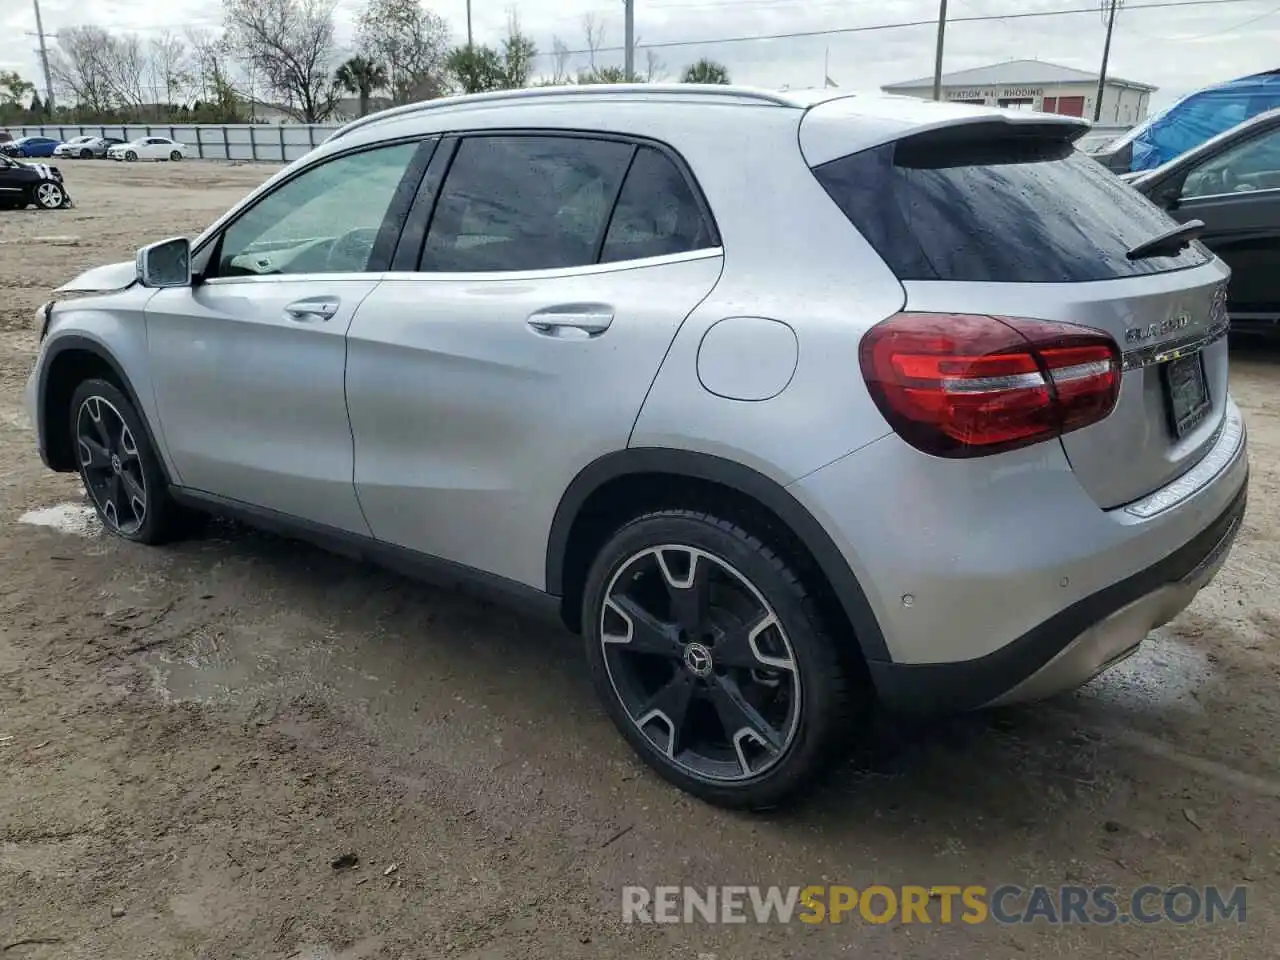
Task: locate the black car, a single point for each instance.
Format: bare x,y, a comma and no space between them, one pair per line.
1232,183
31,182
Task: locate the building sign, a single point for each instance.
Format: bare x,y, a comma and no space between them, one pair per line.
998,93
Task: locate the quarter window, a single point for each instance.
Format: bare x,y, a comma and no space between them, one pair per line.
524,203
323,221
657,213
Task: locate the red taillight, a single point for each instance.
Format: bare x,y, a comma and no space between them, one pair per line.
963,385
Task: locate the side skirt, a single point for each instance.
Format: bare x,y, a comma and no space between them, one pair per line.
418,566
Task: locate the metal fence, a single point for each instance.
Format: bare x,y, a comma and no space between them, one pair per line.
269,143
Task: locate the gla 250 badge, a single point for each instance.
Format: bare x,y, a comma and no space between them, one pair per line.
1153,330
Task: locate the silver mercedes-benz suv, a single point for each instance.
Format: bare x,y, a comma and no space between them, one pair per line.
790,403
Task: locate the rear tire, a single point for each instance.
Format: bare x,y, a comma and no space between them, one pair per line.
713,661
120,470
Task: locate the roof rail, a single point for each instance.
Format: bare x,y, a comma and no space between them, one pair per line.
740,94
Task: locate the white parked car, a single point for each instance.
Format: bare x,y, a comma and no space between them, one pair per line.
148,148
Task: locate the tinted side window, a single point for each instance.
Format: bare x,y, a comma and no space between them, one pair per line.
524,203
1001,211
1245,168
325,220
657,213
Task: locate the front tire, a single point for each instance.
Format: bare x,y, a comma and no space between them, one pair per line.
119,468
49,195
86,154
714,662
175,156
131,156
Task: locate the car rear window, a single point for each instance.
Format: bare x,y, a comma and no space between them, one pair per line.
1013,209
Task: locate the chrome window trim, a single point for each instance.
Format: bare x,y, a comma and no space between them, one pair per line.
586,270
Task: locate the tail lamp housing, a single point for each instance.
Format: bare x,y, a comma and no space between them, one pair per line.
969,385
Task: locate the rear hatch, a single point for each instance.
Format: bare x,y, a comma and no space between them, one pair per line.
986,216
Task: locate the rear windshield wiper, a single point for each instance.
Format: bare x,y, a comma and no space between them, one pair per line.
1168,244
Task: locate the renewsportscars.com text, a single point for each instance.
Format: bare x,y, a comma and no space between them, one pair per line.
972,904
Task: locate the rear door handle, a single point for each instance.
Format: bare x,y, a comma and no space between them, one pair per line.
309,311
558,322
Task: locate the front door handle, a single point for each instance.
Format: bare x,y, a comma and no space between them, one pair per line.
309,311
557,322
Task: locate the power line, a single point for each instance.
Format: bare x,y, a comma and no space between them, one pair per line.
1212,33
903,24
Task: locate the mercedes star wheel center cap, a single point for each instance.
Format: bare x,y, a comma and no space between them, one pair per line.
698,659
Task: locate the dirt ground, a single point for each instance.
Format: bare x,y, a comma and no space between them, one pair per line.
190,735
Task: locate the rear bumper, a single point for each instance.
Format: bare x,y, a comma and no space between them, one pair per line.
1075,644
1000,579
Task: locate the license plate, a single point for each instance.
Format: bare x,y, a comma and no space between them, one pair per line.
1187,391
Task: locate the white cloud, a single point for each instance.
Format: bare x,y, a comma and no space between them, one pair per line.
1176,49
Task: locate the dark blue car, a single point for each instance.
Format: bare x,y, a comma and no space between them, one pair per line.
30,147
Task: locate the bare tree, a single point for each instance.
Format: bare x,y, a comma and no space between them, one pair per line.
559,61
127,68
211,61
654,67
291,44
594,30
80,65
170,68
410,42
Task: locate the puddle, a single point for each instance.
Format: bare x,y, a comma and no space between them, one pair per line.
77,519
1163,673
239,665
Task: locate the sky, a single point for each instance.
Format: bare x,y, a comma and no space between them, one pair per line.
1178,49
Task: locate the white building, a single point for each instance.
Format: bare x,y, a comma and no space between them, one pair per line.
1036,85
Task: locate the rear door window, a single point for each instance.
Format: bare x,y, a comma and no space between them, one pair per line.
977,206
514,202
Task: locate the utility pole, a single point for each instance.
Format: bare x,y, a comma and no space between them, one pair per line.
937,57
44,58
1109,8
468,24
629,41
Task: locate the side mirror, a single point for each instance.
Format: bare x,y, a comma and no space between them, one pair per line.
165,264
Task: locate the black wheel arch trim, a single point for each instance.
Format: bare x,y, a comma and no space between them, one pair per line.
87,345
744,480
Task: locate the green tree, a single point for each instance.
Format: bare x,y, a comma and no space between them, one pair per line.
518,53
13,96
37,112
476,69
705,71
363,77
602,75
411,42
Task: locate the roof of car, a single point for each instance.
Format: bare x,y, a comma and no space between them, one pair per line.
648,92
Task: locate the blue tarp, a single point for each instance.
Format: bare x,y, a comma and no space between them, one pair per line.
1198,117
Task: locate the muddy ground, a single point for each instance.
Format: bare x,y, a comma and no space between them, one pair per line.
190,735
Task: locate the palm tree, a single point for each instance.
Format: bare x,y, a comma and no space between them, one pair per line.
705,71
361,76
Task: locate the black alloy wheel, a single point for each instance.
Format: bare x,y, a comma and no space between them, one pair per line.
713,661
110,465
120,469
